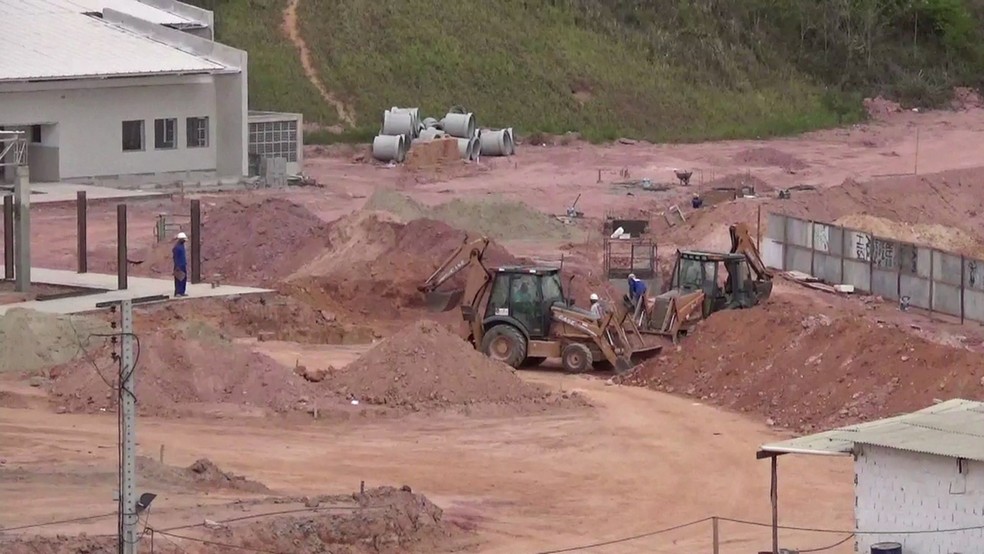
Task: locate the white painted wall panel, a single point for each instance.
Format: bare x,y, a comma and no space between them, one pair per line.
901,490
89,125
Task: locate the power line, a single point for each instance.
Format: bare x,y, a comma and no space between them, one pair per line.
843,531
832,546
270,514
625,539
207,542
60,522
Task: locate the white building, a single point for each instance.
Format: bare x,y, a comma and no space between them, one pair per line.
920,472
107,88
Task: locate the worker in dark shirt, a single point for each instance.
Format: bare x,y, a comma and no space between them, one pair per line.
696,202
180,265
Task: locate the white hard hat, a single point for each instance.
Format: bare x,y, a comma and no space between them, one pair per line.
181,236
594,297
632,276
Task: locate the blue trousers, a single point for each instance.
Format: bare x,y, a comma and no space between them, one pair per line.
180,285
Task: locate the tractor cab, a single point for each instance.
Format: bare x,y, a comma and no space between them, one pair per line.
523,296
725,279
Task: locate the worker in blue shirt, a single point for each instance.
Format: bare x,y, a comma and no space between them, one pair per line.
180,265
637,289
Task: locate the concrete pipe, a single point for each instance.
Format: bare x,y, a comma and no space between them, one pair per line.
468,148
431,123
461,125
414,115
496,143
390,148
431,133
512,141
397,123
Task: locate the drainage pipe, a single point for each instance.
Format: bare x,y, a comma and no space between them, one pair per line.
397,123
496,143
461,125
468,148
390,148
414,117
431,133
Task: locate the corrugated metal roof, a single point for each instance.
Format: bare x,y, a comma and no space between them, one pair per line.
130,7
52,46
954,428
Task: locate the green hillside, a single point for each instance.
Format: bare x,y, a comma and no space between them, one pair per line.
655,69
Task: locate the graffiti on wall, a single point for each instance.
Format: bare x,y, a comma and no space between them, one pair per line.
883,254
859,246
821,237
975,274
908,258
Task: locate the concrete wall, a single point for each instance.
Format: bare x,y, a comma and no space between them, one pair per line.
932,279
901,490
88,122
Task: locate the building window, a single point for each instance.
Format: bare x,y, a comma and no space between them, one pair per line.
197,131
274,139
36,134
165,134
133,136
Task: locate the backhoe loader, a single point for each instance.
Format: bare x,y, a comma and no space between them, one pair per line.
520,315
699,287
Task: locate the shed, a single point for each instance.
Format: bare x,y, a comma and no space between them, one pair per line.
919,477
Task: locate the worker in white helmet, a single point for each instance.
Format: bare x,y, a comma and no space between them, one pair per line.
597,311
180,265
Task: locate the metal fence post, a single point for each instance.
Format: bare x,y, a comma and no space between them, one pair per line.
714,535
8,237
81,207
121,269
196,241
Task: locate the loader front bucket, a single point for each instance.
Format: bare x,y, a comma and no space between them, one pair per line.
443,301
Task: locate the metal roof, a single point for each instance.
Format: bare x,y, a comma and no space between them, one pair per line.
133,8
66,45
954,428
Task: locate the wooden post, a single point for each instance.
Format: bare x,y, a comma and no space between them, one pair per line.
775,504
963,282
196,242
714,535
758,231
121,270
8,237
81,208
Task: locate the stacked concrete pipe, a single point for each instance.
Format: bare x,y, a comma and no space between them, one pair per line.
468,148
461,125
390,148
497,142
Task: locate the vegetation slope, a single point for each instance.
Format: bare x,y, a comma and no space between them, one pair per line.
655,69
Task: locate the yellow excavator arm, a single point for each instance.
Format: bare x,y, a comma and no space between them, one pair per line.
742,243
468,257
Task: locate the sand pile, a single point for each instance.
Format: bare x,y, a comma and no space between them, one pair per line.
494,217
202,474
880,108
373,264
768,156
926,234
807,371
177,375
32,340
425,367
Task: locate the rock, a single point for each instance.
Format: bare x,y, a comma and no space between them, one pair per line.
770,422
905,358
61,410
36,381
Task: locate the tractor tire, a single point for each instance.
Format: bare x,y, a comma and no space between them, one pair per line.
576,358
506,344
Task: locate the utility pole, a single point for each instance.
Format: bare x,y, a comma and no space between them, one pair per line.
128,411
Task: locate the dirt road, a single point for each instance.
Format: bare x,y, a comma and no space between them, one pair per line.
639,461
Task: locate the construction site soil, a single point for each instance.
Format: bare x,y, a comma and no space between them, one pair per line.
378,520
425,366
806,366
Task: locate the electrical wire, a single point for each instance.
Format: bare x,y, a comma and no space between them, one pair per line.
843,531
60,522
208,542
625,539
270,514
830,547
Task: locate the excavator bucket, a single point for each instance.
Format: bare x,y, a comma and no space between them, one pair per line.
622,365
443,301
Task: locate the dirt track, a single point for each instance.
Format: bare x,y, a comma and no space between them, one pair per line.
552,481
635,461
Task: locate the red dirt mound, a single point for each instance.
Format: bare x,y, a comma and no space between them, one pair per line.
383,520
808,371
425,366
373,265
176,374
202,474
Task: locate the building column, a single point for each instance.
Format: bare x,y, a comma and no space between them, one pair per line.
22,236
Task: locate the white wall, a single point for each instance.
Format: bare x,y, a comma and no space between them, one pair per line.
901,490
89,120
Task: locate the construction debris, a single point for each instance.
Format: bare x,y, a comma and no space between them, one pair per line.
403,132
